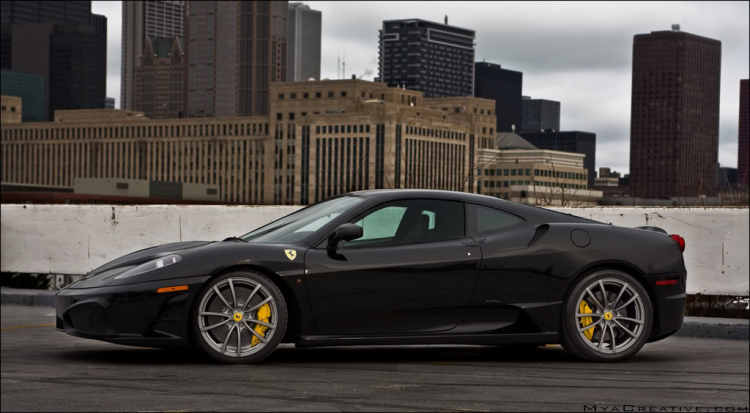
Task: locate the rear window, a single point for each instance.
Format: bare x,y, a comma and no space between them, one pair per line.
490,219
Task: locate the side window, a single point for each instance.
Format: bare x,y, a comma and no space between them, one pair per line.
410,222
381,224
490,219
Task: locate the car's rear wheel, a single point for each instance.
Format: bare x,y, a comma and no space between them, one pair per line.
607,316
239,317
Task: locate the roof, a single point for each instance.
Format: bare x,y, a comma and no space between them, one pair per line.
509,140
529,212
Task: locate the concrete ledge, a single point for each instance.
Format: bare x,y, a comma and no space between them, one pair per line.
34,298
724,328
697,327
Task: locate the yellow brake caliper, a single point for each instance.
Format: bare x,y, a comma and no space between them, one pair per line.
584,309
263,314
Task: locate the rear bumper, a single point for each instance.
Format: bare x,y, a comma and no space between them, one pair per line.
669,306
132,314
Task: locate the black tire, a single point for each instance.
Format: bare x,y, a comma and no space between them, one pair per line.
280,318
574,341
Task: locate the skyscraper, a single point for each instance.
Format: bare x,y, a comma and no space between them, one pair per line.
540,114
743,147
158,79
674,122
503,86
18,12
568,141
63,42
303,50
28,87
235,49
161,19
433,58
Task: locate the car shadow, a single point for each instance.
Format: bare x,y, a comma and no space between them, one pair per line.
288,354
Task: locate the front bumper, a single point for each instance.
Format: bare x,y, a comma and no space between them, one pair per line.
134,314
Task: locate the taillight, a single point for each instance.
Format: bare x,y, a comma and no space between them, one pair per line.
679,240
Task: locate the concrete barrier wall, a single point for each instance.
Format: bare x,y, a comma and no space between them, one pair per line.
73,239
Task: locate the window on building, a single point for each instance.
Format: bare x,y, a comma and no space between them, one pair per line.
305,95
317,95
330,94
278,116
281,96
293,96
291,115
343,93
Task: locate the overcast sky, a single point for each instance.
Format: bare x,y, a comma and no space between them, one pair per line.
577,53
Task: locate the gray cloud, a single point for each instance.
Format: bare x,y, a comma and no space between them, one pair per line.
579,53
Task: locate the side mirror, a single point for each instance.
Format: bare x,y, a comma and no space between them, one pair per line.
345,232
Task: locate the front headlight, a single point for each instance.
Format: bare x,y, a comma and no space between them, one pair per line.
150,266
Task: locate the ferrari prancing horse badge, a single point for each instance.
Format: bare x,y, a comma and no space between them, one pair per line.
291,254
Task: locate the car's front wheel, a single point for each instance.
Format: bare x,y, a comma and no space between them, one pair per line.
607,316
239,317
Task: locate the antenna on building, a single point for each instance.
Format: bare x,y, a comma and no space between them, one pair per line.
675,27
446,19
344,65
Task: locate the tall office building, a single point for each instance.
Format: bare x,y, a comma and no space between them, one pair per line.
158,80
78,67
568,141
18,12
28,87
62,42
161,19
235,49
540,114
743,147
303,43
674,122
504,87
436,59
109,103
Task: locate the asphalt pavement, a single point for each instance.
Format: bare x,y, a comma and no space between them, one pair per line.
42,369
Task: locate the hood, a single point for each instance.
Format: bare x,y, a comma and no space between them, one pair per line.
98,276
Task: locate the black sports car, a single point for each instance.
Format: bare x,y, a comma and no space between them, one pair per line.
393,267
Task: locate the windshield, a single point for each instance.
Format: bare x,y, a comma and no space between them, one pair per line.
302,223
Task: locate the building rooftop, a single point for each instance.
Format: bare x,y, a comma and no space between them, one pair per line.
509,140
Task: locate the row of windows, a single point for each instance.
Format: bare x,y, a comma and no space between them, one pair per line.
507,184
318,95
435,133
527,172
328,129
164,131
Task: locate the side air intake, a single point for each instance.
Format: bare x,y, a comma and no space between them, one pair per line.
540,231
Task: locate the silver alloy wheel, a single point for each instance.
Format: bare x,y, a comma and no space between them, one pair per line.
227,319
617,314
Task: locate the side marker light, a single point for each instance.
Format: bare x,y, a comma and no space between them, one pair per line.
171,289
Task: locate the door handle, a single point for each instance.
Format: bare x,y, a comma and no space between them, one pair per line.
474,243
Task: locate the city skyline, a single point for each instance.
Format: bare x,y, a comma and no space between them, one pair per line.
592,82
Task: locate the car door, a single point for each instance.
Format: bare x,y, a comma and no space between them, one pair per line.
413,271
